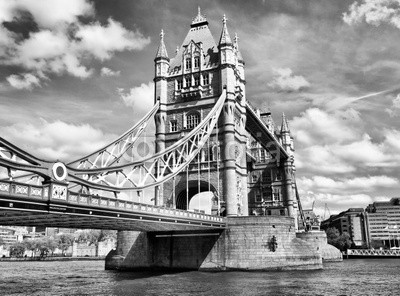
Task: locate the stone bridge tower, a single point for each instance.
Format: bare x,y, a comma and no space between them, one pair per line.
187,87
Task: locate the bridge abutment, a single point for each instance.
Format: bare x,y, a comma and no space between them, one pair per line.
249,243
320,242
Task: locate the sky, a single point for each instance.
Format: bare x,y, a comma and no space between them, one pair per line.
74,74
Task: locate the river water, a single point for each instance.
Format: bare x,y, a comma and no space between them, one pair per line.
350,277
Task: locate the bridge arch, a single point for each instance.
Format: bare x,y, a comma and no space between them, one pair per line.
203,198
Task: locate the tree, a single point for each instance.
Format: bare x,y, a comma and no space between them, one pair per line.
45,245
64,241
340,241
17,249
31,245
94,237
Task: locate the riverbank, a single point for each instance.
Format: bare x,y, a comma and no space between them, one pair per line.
8,259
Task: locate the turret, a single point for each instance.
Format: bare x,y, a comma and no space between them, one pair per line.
285,135
161,71
239,57
227,57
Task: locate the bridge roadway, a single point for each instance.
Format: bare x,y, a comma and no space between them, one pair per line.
52,205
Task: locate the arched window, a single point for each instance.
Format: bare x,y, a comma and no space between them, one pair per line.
173,126
179,84
192,120
196,80
188,63
206,80
197,62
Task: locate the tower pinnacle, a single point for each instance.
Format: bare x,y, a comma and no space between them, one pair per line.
162,50
199,19
285,126
225,37
236,44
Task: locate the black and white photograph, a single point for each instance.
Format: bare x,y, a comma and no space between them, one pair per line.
199,147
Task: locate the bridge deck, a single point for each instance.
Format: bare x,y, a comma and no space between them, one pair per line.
31,205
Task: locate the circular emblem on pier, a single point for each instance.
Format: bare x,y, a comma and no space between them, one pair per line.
59,171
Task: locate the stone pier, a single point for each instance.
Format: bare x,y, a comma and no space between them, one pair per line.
249,243
319,240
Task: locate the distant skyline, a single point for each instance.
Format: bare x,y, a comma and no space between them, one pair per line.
77,73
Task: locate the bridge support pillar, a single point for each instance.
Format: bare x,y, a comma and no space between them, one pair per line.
249,243
229,160
288,169
132,247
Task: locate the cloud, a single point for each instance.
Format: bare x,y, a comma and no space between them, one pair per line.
140,98
284,80
326,204
337,143
394,111
108,72
355,185
47,13
340,102
23,81
315,126
56,140
62,43
103,41
374,12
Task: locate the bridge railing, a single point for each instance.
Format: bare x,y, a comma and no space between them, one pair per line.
59,193
371,252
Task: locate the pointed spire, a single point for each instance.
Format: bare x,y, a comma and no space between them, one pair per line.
199,19
162,50
285,126
236,44
225,38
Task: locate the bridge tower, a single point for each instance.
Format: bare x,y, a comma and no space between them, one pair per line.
187,87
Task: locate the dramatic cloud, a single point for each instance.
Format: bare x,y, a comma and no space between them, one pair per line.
24,81
395,109
56,140
374,12
284,80
336,143
356,185
108,72
47,13
316,126
62,44
140,98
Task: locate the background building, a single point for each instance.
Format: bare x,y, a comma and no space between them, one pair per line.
384,223
354,222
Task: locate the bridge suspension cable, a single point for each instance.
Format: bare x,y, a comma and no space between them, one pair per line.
112,153
154,170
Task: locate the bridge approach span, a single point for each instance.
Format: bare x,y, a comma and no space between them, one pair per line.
52,206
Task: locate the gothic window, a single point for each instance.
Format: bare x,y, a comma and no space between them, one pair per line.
262,155
254,178
276,194
173,126
179,84
206,80
188,81
192,120
257,195
188,63
196,80
196,62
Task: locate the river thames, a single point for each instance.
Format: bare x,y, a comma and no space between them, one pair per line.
350,277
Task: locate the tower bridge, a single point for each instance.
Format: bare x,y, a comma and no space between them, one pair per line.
223,174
